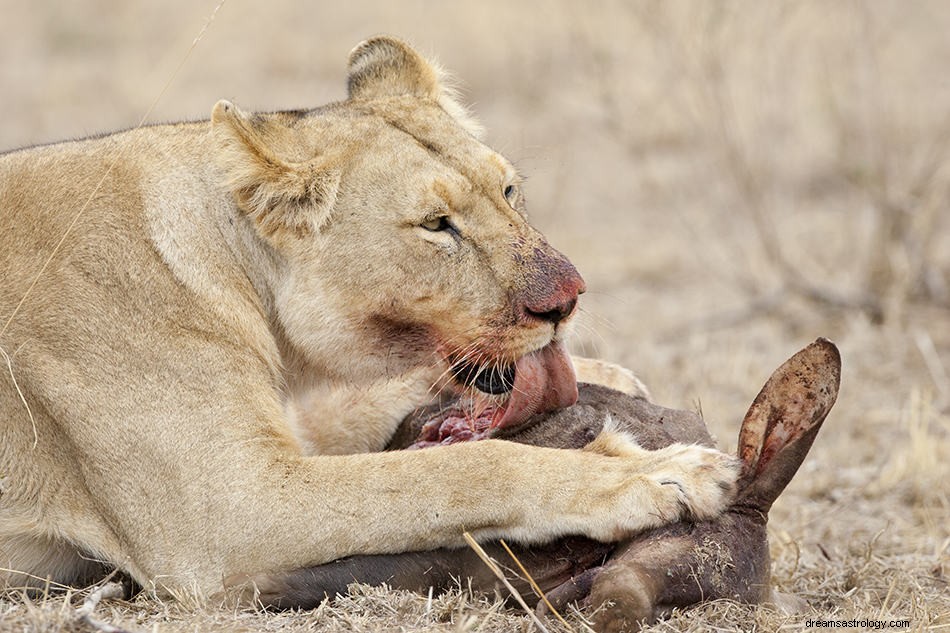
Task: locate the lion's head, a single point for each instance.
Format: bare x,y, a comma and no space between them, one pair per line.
401,238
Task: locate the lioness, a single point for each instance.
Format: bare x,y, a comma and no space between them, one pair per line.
242,293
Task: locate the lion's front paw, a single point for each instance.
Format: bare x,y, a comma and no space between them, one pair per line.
647,489
702,480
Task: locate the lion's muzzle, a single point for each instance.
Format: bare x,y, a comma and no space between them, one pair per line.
552,286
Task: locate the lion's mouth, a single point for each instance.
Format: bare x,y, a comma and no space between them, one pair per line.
538,382
494,380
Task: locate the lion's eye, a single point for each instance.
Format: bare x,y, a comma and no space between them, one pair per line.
510,192
440,223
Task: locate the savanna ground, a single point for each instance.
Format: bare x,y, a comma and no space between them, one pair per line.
733,179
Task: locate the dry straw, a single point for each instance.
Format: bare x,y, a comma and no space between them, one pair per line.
493,566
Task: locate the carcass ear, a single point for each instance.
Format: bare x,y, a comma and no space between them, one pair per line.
784,419
385,66
283,197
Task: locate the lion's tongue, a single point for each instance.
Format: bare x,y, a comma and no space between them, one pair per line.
544,381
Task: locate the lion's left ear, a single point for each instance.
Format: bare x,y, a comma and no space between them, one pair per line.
283,197
385,66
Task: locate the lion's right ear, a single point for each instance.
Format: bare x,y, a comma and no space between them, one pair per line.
283,197
385,66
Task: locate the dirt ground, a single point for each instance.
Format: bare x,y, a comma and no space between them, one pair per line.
733,179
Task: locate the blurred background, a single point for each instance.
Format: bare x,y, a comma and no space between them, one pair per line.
733,179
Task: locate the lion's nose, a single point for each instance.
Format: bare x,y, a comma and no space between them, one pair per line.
554,314
560,300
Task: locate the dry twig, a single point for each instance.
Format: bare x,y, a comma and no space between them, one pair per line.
535,586
493,566
84,614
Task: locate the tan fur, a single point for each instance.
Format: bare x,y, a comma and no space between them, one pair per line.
230,275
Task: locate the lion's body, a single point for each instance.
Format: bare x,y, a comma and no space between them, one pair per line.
109,339
222,273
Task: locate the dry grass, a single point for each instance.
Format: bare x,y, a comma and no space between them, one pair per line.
733,179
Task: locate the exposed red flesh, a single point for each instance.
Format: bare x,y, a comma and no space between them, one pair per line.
455,425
